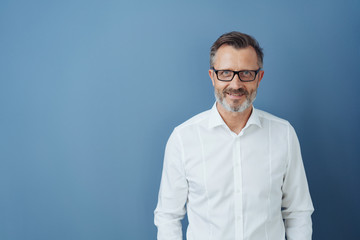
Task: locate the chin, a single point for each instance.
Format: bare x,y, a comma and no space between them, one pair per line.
236,108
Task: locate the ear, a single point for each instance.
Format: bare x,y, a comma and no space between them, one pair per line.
260,76
211,75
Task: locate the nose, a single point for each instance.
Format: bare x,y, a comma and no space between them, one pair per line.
235,82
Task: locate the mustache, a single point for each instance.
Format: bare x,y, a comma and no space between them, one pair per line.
236,91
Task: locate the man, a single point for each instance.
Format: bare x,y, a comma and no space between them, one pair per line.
236,170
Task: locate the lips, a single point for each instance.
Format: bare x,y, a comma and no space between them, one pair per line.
235,96
236,93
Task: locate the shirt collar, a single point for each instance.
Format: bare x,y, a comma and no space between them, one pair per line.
216,119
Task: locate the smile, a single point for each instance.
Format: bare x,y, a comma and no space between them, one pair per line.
235,95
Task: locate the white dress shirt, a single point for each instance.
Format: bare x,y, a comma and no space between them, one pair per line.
250,186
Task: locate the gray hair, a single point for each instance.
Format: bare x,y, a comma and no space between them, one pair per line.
237,40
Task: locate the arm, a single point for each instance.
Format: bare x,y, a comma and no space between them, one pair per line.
173,192
296,203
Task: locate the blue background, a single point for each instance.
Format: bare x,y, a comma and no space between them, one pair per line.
91,90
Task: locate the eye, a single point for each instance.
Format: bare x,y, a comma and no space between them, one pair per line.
225,73
246,73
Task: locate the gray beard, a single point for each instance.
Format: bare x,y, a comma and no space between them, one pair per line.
240,108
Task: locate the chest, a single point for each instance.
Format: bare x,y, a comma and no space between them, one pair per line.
253,164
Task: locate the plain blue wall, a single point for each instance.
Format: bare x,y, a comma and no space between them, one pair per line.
91,90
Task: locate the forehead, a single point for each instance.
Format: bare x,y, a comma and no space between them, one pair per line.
236,59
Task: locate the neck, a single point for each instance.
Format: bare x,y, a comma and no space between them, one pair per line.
236,121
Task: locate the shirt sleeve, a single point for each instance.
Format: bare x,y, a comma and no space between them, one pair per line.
172,198
296,206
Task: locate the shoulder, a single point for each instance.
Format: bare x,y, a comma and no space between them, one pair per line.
279,129
266,117
195,121
276,125
188,130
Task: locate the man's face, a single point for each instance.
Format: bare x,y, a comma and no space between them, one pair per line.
235,96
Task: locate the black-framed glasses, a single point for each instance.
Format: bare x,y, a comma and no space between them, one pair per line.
228,75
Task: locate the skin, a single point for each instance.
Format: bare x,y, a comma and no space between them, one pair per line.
230,58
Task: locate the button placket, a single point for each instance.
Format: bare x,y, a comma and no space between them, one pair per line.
238,190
